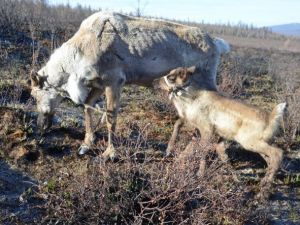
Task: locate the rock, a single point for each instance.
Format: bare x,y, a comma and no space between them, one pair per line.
18,153
18,135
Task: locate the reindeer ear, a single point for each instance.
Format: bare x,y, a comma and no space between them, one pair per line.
28,82
36,80
191,70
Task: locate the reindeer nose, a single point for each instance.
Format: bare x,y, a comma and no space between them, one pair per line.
155,84
44,121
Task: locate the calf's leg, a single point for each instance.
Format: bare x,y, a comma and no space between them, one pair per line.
178,124
220,149
274,157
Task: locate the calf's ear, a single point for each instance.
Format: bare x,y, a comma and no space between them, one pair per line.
174,71
191,70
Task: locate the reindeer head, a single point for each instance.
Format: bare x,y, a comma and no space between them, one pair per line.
46,97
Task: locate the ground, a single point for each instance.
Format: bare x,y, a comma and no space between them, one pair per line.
42,178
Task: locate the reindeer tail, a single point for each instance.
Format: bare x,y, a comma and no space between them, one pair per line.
274,120
222,46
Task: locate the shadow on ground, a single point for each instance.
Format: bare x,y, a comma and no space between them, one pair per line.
16,197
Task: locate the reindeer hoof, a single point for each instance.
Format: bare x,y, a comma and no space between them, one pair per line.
109,154
169,153
83,149
224,158
263,195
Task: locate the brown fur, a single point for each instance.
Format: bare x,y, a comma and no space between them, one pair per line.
213,114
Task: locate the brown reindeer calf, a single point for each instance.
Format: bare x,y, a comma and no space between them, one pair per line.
213,114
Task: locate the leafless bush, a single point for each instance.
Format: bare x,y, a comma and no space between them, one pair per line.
13,93
28,23
231,76
291,124
143,189
284,69
19,15
10,94
13,90
231,84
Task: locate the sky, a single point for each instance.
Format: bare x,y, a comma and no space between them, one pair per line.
252,12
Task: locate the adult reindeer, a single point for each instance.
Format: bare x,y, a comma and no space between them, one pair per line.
110,50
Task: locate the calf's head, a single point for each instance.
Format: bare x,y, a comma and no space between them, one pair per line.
176,78
46,98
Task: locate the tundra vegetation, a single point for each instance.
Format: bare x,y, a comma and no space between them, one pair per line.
43,181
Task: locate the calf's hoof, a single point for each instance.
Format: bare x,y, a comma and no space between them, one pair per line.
224,158
83,149
264,193
109,154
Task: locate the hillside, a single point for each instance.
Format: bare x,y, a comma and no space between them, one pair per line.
292,29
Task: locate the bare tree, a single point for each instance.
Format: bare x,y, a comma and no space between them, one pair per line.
140,8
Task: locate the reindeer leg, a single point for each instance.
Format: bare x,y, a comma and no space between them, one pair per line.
113,98
89,129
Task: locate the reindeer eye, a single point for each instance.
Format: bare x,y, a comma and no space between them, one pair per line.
182,75
171,78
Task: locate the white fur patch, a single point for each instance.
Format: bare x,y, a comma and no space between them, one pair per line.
167,82
280,108
179,93
47,100
76,90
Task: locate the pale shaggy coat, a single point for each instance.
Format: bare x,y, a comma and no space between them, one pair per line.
110,50
213,114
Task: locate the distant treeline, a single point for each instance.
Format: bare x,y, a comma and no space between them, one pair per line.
37,17
240,30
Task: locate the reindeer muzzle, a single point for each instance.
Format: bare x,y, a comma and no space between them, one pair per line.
44,121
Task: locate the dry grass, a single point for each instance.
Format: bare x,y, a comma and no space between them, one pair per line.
288,44
142,189
288,90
